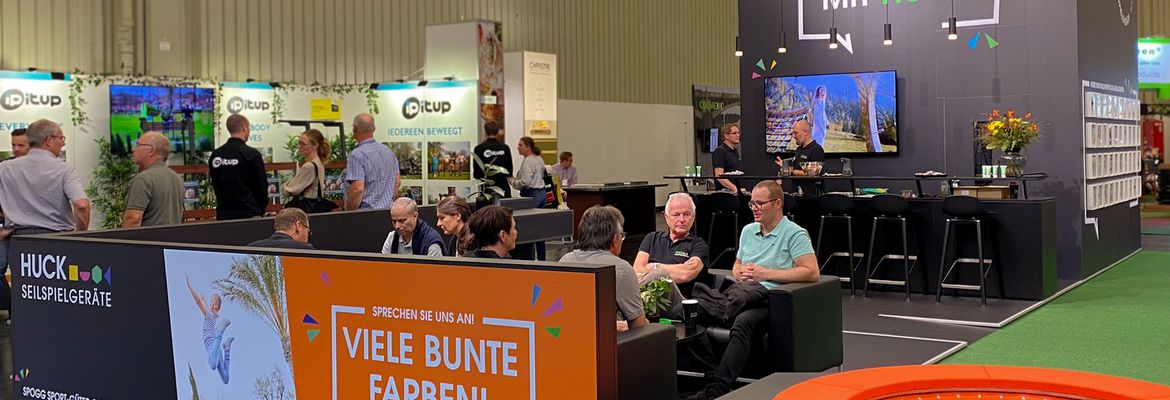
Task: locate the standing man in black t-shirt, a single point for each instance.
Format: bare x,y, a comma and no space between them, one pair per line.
237,174
726,157
494,152
807,150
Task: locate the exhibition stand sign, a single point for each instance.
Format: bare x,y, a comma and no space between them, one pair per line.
431,130
254,100
89,323
28,96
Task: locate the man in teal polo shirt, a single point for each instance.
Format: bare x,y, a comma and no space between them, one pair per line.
772,250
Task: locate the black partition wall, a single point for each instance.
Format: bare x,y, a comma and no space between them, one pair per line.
1043,49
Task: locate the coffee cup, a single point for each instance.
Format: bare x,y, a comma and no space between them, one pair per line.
690,313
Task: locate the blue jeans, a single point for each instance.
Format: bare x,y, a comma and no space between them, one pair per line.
219,358
539,197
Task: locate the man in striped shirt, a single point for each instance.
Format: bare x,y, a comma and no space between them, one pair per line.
372,170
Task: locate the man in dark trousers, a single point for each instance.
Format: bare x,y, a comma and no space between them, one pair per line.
237,174
726,157
494,152
292,231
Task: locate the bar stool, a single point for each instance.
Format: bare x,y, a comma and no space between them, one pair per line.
838,207
790,207
967,210
890,208
723,206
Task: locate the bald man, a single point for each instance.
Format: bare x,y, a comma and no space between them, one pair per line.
155,196
372,170
807,150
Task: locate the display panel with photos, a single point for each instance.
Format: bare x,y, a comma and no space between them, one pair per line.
851,113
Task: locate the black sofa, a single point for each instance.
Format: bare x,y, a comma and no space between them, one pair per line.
646,363
808,340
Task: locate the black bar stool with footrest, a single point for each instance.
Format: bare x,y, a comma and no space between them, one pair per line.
967,210
838,207
891,208
724,207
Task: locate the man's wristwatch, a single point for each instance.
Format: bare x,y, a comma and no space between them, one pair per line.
655,266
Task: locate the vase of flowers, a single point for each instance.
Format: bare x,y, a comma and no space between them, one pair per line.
1010,134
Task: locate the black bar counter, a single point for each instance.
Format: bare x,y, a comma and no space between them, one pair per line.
853,179
1026,230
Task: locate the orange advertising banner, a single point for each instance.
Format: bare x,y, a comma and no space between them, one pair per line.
385,330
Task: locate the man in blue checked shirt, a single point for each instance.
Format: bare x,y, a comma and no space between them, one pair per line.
372,170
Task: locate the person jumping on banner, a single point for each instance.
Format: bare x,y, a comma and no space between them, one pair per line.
219,350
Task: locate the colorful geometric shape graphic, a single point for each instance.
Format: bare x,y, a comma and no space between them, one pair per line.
97,274
107,275
555,332
313,334
756,76
16,378
309,320
974,41
73,273
84,275
760,64
555,307
773,64
991,43
535,294
24,373
325,277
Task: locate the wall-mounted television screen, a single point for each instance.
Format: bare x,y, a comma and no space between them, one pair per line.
184,114
853,113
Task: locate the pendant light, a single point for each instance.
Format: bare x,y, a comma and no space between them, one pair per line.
783,43
952,24
738,52
888,39
833,32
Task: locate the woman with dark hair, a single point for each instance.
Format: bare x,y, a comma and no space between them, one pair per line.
453,214
315,149
530,179
494,230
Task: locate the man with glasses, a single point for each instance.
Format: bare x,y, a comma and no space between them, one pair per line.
676,253
726,157
155,196
599,241
411,235
39,192
772,251
292,231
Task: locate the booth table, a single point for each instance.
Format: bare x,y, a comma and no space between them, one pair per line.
853,179
635,200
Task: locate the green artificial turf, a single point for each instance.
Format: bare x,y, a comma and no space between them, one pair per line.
1156,230
1116,324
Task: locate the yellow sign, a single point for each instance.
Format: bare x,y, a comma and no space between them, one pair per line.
324,109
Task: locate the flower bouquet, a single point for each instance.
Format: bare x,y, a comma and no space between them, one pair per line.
1011,134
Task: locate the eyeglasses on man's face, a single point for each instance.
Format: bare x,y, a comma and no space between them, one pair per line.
759,204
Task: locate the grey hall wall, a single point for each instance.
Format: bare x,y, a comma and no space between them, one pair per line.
945,86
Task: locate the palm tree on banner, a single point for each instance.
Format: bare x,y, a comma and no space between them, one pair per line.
257,283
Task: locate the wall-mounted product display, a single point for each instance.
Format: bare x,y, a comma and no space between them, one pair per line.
849,113
1107,106
1111,146
1104,165
1105,194
1099,135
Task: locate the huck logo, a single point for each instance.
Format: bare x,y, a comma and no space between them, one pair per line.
54,267
413,106
13,99
236,104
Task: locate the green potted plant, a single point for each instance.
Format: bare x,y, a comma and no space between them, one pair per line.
656,297
488,193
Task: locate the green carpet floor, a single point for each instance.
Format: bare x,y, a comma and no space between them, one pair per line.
1117,324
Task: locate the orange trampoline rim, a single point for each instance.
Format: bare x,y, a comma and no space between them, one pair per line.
873,383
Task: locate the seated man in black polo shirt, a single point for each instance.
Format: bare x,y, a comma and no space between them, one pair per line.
675,253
